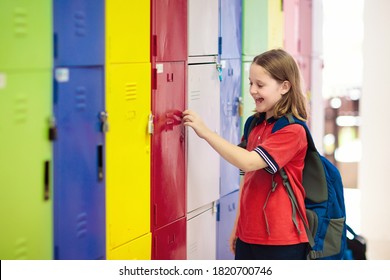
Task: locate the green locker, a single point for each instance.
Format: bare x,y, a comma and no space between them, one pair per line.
254,27
26,34
26,165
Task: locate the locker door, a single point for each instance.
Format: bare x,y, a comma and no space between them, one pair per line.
169,242
26,166
304,63
275,25
78,32
79,202
291,26
26,34
169,41
230,26
230,120
201,236
203,162
247,100
128,31
127,153
168,149
202,27
305,27
255,27
227,209
137,249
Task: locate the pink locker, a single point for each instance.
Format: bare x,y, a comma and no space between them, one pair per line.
305,27
291,26
169,30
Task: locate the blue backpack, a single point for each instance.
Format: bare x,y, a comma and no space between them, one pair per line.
325,208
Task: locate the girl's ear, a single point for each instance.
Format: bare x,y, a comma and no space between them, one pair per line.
286,85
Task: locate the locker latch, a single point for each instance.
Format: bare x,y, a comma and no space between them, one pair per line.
104,119
150,124
52,129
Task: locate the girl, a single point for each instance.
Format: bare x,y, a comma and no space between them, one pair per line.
264,228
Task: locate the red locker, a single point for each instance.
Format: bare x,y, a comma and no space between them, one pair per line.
169,30
168,144
169,242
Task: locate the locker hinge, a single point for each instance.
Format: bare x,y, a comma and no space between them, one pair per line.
215,208
104,120
219,45
218,212
52,129
150,124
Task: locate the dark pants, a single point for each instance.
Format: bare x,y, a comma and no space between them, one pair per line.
246,251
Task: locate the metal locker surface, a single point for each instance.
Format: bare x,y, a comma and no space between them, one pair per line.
230,120
26,166
137,249
79,181
201,236
169,242
275,24
26,35
168,145
227,209
78,32
127,31
202,27
231,28
247,100
305,27
291,11
254,27
203,163
128,107
169,30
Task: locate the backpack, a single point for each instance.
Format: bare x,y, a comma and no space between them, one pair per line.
324,201
356,246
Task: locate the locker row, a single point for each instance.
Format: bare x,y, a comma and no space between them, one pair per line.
95,161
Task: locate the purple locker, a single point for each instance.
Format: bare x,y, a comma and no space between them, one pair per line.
230,29
230,120
227,209
79,181
169,242
169,30
168,144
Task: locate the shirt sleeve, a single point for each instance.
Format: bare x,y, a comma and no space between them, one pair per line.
282,146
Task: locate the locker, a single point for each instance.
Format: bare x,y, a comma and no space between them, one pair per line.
230,29
291,26
227,209
78,32
304,63
26,34
79,194
169,242
275,24
169,30
128,107
247,100
201,235
305,27
26,166
254,27
168,144
230,120
137,249
204,98
127,31
202,27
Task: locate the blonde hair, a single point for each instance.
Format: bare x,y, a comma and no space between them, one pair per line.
281,66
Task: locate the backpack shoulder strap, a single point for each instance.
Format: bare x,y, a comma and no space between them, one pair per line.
250,123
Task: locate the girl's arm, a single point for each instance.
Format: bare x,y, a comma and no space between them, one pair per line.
239,157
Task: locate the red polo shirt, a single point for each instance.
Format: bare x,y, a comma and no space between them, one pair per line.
269,221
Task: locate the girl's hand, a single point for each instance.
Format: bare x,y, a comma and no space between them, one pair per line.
192,119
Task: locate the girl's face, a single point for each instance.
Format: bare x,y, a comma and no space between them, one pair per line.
265,90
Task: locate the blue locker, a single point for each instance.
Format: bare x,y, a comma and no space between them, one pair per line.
230,120
227,208
230,29
78,32
79,189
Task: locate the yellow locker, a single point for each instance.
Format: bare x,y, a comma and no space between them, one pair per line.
128,153
275,24
138,249
127,31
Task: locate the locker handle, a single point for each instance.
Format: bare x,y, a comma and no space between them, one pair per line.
46,188
100,162
170,77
